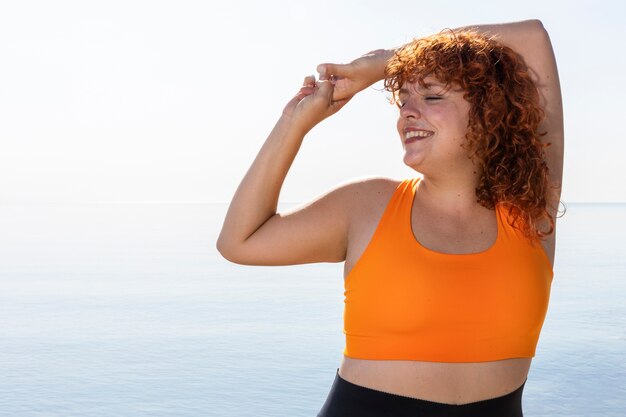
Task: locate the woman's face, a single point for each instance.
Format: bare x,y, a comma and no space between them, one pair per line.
432,125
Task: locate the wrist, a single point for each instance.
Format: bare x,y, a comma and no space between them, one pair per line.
292,126
388,54
382,57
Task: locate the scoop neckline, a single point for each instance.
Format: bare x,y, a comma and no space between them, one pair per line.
435,252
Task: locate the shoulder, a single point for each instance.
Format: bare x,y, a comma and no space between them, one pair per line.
365,199
368,191
346,200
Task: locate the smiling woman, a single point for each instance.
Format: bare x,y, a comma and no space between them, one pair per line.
447,278
504,117
434,116
502,133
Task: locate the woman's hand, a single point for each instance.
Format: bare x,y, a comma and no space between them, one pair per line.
312,104
357,75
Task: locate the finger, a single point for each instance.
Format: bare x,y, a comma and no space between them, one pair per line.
303,92
308,87
325,90
337,70
307,90
309,81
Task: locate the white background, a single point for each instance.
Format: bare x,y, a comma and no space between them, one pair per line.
170,100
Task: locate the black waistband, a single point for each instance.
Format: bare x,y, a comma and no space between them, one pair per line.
348,399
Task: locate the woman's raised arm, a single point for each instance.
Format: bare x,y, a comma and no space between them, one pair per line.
530,39
253,232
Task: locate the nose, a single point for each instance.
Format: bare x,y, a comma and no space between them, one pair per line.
409,109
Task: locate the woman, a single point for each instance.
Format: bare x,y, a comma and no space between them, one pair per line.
448,277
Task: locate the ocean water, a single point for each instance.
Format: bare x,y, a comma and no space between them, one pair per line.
128,310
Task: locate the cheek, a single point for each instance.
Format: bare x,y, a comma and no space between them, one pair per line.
465,115
462,119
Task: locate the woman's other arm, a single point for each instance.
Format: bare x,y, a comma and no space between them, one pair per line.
253,232
530,39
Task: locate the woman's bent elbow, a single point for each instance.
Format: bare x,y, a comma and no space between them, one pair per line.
538,27
226,250
234,253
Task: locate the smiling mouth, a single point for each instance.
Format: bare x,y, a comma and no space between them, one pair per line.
416,135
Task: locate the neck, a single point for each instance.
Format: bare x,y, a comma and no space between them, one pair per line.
449,193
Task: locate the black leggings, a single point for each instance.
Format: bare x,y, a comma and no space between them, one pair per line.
347,399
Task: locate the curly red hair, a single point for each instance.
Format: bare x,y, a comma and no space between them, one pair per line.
503,131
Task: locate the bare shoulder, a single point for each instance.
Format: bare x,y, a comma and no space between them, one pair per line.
354,198
364,196
364,201
368,199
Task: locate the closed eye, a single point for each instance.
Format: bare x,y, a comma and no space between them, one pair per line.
400,104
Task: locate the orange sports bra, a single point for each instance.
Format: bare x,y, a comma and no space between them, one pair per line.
406,302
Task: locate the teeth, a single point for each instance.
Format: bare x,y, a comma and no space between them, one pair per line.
417,133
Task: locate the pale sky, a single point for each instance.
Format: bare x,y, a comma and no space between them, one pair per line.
169,101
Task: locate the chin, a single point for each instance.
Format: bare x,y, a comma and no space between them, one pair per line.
413,162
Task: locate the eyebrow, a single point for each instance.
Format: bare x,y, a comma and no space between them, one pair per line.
430,86
427,86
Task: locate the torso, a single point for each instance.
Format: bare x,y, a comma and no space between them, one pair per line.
452,383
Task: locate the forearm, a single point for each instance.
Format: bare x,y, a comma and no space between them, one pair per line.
531,41
381,64
514,34
256,198
519,36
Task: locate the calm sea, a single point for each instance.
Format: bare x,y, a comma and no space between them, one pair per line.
128,310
